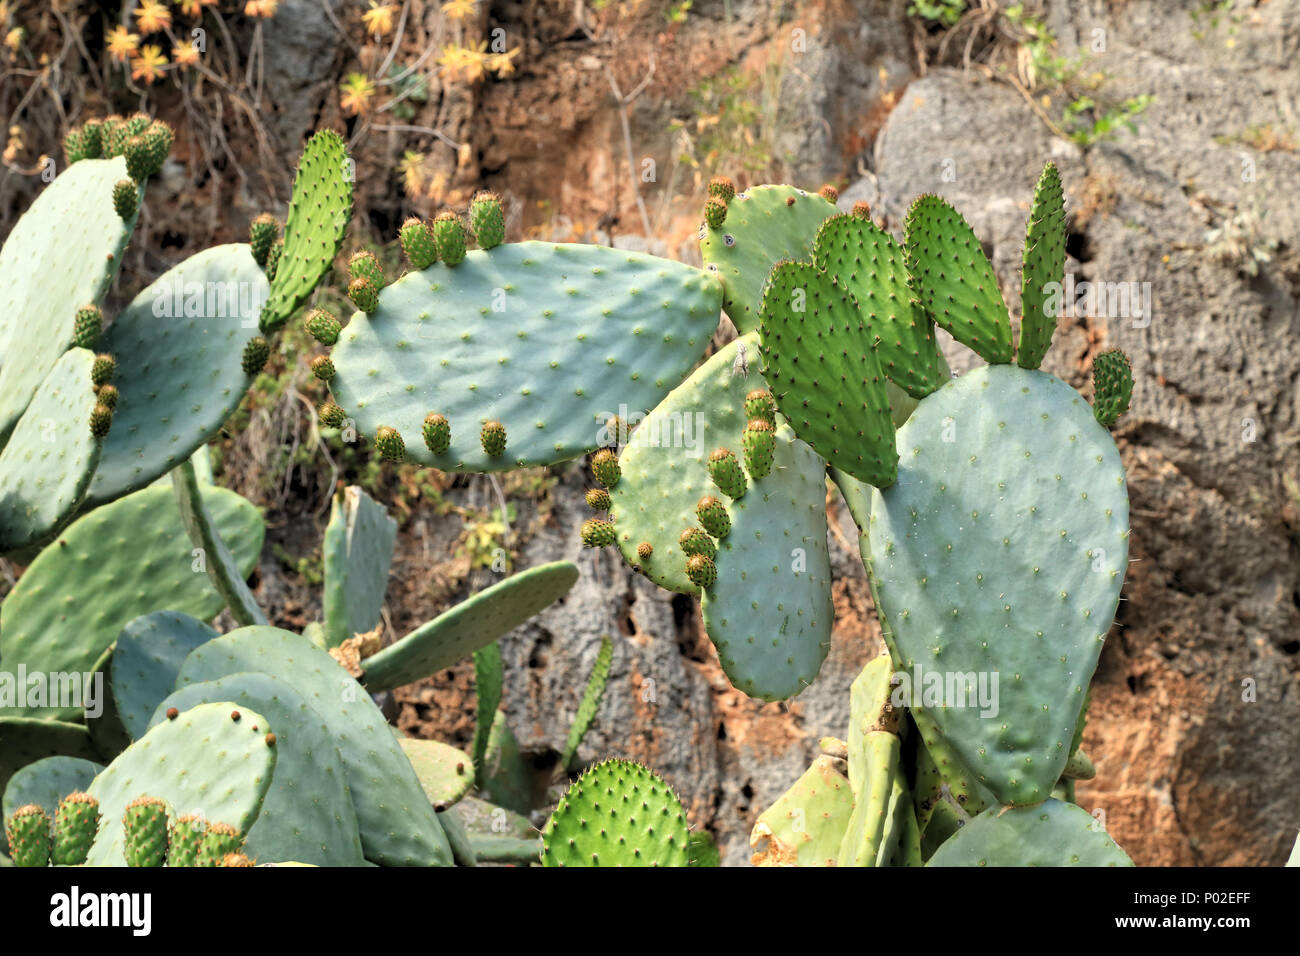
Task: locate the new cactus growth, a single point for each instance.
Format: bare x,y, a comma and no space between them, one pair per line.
760,442
759,404
331,415
696,541
715,212
493,438
256,352
106,395
101,372
90,322
597,533
126,198
101,419
389,444
702,570
645,551
598,499
322,326
487,220
418,243
219,841
449,236
144,831
76,822
364,294
262,233
185,839
1112,386
722,188
725,472
713,515
365,265
28,830
829,193
322,367
437,433
605,468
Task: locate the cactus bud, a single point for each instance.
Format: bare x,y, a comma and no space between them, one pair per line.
186,838
322,326
723,188
598,499
102,369
644,551
75,824
493,438
366,266
605,468
701,570
389,443
262,233
101,419
364,294
715,212
137,123
862,210
726,474
1112,380
73,147
236,859
759,404
437,433
418,244
829,193
138,163
256,352
273,260
449,234
714,516
597,533
92,142
126,198
487,220
106,395
760,444
28,830
90,321
219,840
158,139
322,368
331,415
695,541
144,832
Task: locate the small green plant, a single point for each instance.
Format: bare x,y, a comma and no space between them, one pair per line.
944,12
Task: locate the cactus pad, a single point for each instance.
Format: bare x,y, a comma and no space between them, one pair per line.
1044,262
445,773
472,624
357,551
591,698
762,227
45,783
618,813
146,659
806,824
533,335
1003,550
1113,386
1051,834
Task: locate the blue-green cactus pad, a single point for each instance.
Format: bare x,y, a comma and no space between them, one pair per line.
1050,834
665,464
48,461
474,623
147,657
550,340
1003,550
358,550
106,569
308,814
762,228
45,783
398,825
178,348
769,613
202,762
25,740
61,255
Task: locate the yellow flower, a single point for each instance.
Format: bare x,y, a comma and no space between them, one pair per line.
185,54
152,17
148,66
357,91
379,20
462,62
458,9
412,170
14,39
261,8
503,64
121,44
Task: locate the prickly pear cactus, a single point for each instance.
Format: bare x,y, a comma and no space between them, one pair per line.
807,823
446,774
618,813
45,783
545,339
1050,834
358,550
147,656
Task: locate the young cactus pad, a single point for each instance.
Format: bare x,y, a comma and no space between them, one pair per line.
180,371
805,826
203,761
107,568
358,550
398,825
147,657
764,225
1044,263
1050,834
47,464
61,255
1002,551
533,335
446,774
474,623
618,813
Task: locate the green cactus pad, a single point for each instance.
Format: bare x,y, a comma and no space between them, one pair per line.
1003,550
308,813
1050,834
146,659
445,773
618,813
954,281
474,623
47,464
807,823
358,550
60,256
664,467
489,675
581,327
769,614
868,263
25,740
180,372
201,762
1113,386
591,698
507,777
398,826
45,783
872,834
107,568
763,226
319,212
1044,263
942,780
